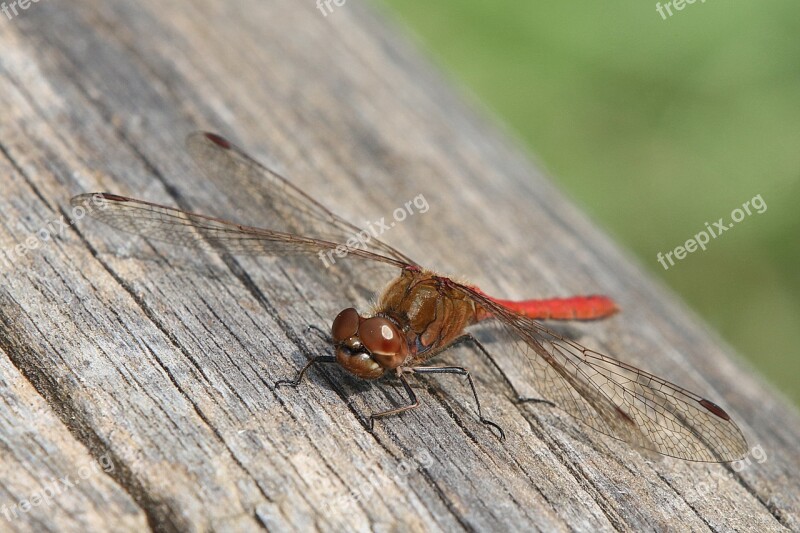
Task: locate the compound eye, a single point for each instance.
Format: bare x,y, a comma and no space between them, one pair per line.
380,336
345,325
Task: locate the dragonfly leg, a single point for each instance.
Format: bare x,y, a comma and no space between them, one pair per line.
296,381
412,398
461,372
523,399
470,338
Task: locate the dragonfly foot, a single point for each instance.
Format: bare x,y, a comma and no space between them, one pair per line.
296,381
290,382
522,399
501,435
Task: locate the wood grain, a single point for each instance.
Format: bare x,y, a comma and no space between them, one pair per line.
160,362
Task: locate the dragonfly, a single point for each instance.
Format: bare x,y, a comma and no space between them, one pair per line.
421,314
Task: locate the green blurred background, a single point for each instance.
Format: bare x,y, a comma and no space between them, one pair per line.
656,126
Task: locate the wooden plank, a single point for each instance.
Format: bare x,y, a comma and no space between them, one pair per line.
165,359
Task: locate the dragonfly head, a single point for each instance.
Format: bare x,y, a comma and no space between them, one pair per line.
367,347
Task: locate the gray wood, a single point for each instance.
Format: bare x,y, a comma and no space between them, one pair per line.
48,478
163,360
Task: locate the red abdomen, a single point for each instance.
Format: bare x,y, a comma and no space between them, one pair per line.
575,308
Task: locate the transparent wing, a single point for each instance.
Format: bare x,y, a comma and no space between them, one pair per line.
172,225
616,398
288,209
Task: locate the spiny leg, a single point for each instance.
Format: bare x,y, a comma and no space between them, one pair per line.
462,372
469,337
318,359
296,381
411,397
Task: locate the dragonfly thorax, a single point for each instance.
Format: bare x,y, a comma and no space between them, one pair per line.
367,346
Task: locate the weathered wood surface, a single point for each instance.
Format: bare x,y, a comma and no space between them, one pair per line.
150,369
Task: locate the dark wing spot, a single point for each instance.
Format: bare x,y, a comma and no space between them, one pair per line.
111,197
714,408
218,140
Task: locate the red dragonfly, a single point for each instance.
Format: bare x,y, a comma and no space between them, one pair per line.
420,314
